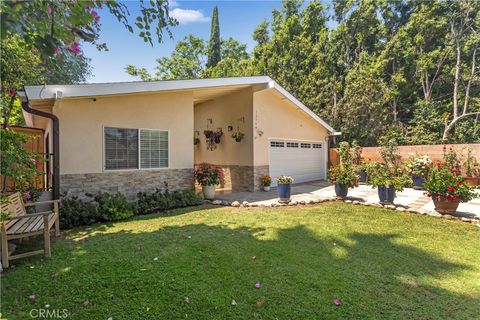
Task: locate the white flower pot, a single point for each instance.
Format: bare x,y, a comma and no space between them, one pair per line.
208,192
266,188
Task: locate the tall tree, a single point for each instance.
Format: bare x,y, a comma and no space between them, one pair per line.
214,50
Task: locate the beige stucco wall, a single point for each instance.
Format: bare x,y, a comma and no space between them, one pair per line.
225,111
82,122
278,117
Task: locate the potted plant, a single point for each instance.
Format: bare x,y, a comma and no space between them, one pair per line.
447,188
284,188
472,169
388,180
390,176
345,174
196,141
362,172
208,176
238,136
343,178
217,135
266,182
418,167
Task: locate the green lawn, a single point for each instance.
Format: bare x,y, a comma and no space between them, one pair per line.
380,264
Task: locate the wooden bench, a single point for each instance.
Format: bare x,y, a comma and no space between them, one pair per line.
19,224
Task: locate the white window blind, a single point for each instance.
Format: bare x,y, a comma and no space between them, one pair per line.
121,148
153,149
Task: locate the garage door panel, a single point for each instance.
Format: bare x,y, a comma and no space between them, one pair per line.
303,164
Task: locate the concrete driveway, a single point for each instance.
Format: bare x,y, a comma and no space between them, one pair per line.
321,190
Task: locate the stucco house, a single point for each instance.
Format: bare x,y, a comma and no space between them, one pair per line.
136,136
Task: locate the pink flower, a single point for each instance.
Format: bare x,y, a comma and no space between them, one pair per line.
336,302
74,48
88,8
49,10
31,296
27,195
257,285
11,92
95,16
56,50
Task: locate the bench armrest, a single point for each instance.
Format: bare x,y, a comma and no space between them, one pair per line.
45,213
41,202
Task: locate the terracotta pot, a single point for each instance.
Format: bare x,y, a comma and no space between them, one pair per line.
445,206
208,192
472,181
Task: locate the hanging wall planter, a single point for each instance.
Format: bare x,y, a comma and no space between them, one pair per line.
217,135
238,136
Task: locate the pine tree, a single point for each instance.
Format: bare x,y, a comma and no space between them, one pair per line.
214,43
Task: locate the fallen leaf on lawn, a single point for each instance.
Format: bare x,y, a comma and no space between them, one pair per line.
254,258
155,259
54,275
189,237
31,296
110,318
187,300
261,302
336,302
47,306
334,243
234,303
86,303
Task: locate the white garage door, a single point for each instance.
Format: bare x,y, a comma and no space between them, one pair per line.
302,160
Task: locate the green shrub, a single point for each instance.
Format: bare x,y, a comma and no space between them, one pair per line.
161,201
75,212
113,207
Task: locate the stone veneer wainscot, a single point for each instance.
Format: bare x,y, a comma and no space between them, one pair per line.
128,182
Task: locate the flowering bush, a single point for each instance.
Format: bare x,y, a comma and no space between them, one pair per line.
266,181
418,165
284,180
343,175
381,174
446,183
209,175
450,158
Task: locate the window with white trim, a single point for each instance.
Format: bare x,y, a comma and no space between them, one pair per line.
292,145
153,149
317,145
305,145
135,148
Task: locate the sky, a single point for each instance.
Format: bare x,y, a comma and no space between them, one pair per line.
237,19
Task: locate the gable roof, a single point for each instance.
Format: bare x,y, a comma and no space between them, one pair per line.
49,92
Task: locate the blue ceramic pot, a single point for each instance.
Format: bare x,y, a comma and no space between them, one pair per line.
341,190
418,182
284,192
362,177
386,194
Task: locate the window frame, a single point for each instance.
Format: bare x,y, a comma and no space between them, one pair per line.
104,166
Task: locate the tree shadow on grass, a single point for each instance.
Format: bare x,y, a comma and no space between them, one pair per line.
195,271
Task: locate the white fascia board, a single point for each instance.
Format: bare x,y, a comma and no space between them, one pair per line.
272,84
105,89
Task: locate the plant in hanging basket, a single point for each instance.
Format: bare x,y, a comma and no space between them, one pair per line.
208,134
238,136
196,141
217,135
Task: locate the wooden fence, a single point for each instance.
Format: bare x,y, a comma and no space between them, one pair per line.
35,145
435,152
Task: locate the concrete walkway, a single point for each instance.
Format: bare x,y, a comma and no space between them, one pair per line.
321,190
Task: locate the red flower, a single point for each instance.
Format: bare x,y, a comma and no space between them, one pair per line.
454,170
450,188
438,164
458,183
11,92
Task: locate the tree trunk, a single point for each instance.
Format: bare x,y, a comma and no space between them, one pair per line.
469,84
457,79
